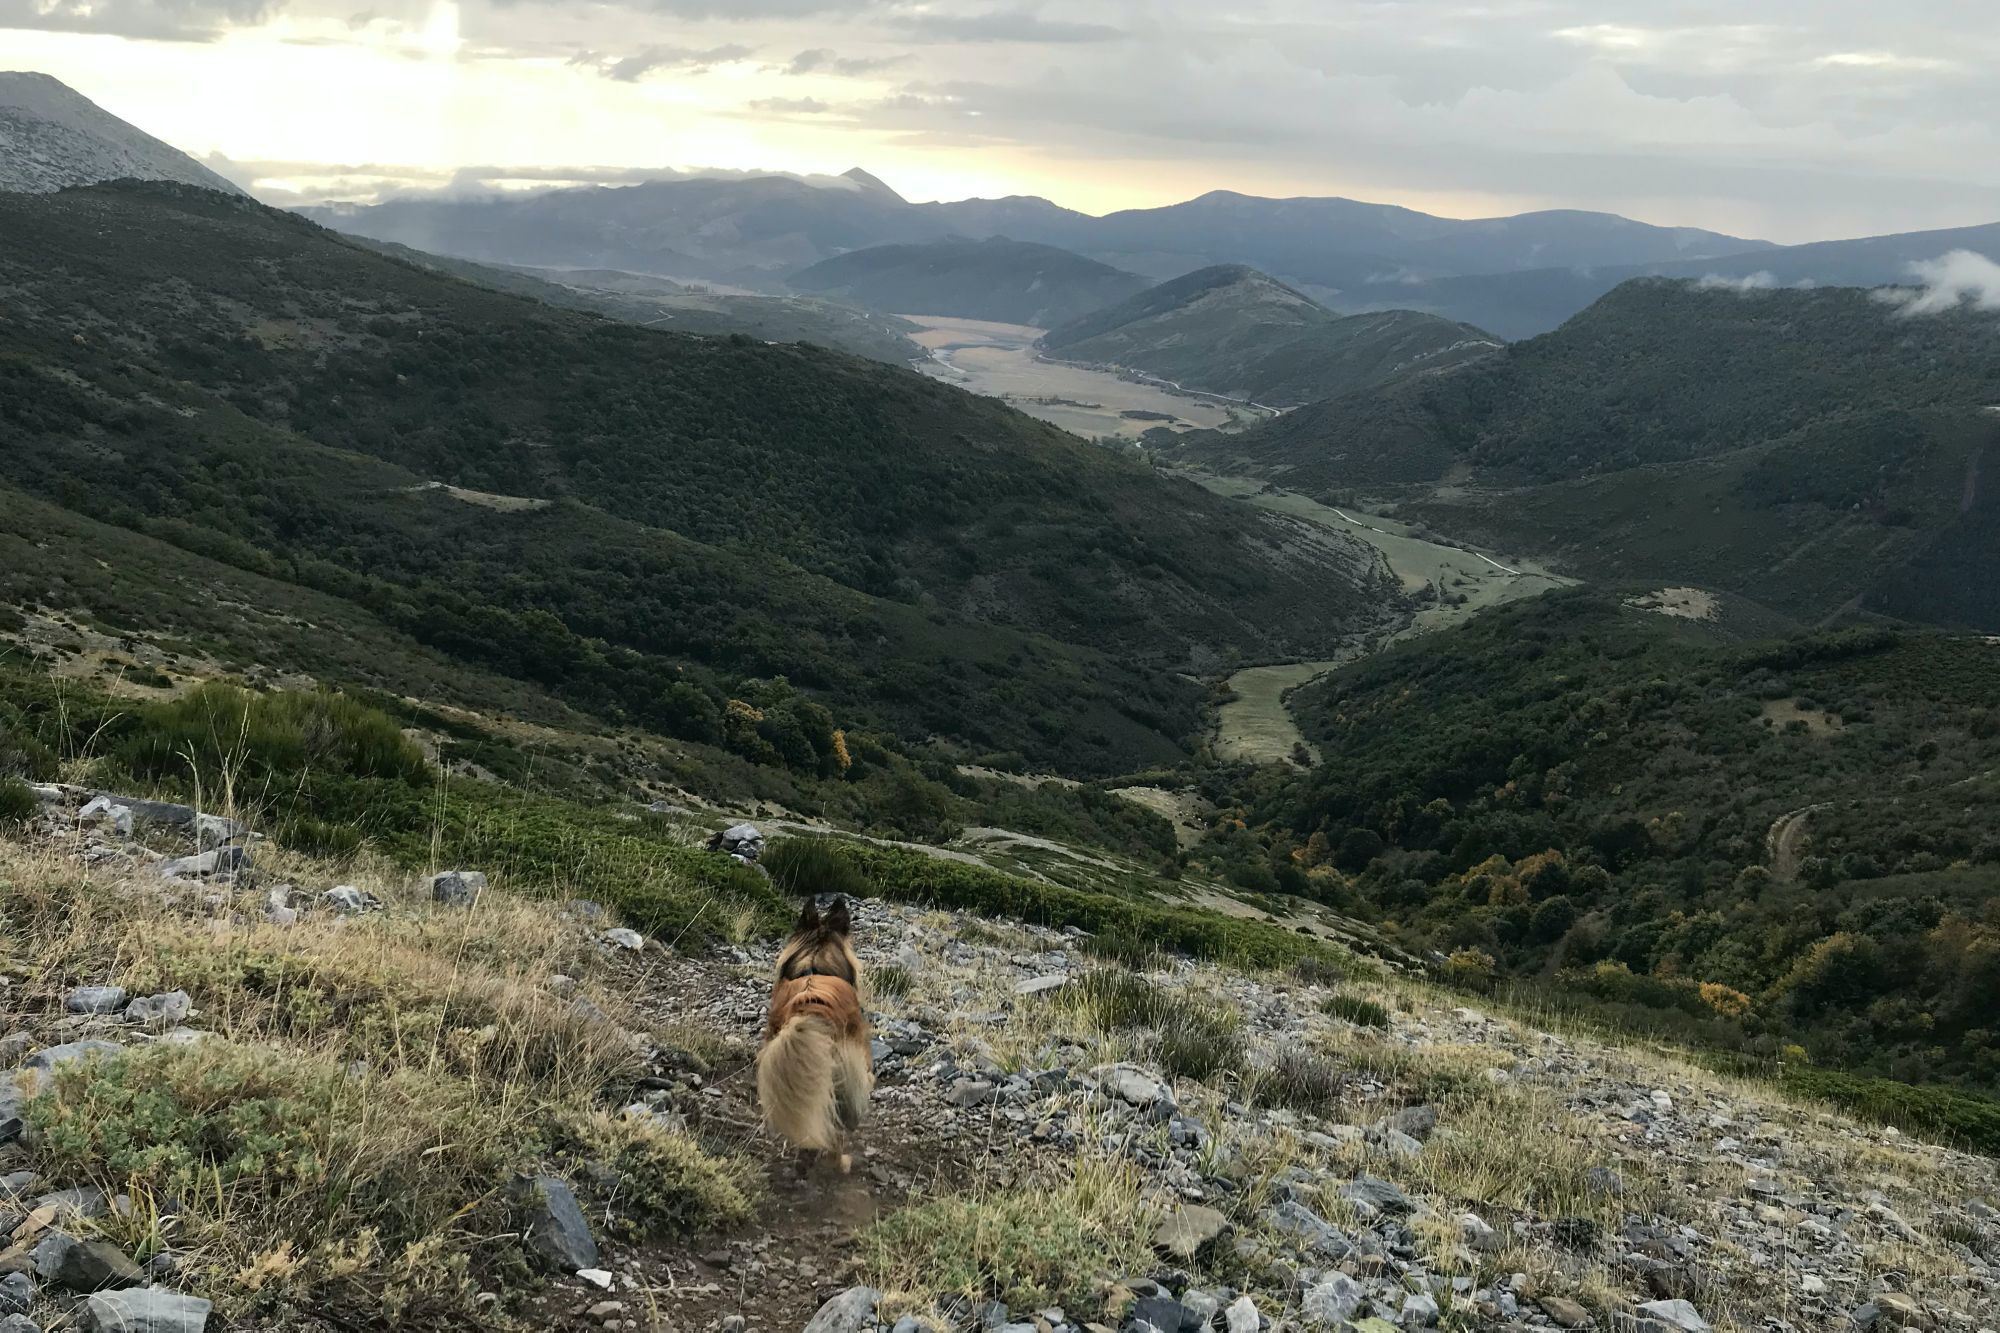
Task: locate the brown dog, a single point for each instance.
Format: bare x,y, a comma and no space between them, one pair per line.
815,1071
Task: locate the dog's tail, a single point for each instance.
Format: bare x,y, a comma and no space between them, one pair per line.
797,1077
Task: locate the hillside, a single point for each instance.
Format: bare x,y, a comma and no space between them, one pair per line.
658,303
634,512
1234,331
52,136
1830,451
499,1105
1008,282
1589,790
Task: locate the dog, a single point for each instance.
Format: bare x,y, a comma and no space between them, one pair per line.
815,1070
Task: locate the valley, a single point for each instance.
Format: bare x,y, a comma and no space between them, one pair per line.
1000,361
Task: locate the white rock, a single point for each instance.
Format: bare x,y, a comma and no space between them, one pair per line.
1676,1314
624,937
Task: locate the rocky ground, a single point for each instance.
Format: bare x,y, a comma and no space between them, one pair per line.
1365,1154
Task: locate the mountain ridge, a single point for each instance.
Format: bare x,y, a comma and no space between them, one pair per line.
52,137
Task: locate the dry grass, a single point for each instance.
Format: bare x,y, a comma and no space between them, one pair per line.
372,1083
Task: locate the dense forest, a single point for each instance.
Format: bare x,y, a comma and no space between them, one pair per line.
1756,843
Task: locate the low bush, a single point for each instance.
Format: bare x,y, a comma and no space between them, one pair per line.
17,803
1315,970
216,730
802,866
1301,1081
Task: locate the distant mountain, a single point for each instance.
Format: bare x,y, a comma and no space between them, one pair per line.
52,136
659,303
1232,330
1812,450
1012,282
1521,305
752,231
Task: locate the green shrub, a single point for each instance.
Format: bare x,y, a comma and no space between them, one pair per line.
802,866
1124,946
1355,1009
17,803
262,739
1961,1118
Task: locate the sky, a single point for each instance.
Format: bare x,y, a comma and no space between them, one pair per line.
1789,120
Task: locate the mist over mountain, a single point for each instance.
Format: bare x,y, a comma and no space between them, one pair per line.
52,136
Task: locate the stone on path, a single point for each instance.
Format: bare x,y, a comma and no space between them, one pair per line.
845,1313
1188,1231
457,888
145,1310
557,1233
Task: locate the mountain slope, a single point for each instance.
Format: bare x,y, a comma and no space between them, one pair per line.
1232,330
1811,449
52,136
659,303
629,504
1009,282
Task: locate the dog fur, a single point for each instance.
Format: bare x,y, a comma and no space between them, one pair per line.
815,1070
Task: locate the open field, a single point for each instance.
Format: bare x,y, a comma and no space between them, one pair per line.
1256,726
1000,361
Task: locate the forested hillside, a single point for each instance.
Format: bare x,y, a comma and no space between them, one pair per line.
635,513
1754,843
1011,282
1232,330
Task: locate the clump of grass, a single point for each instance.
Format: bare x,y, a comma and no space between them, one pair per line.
1301,1081
1040,1244
276,1158
665,1179
1358,1010
801,866
889,980
1319,970
1195,1039
981,935
1124,946
17,803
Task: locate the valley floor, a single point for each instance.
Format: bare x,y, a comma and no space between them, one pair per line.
1330,1147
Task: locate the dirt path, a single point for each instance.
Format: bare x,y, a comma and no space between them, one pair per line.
1784,841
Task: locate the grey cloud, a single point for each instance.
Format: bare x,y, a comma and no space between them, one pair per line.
822,61
1960,278
632,68
1002,25
156,20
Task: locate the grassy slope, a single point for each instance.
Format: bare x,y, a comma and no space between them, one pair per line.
288,385
1235,331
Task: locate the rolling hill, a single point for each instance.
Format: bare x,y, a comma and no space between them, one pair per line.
52,136
1813,450
1008,282
1235,331
644,523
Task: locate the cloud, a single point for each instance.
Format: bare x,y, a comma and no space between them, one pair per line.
1958,279
822,61
685,60
791,106
731,9
1762,281
1002,25
155,20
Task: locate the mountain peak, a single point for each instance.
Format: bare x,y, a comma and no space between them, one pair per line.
52,136
871,182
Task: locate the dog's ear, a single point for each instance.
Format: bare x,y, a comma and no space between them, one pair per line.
837,919
809,919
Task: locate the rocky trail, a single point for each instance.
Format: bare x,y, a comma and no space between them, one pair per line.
1265,1152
